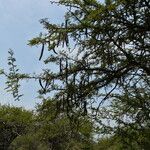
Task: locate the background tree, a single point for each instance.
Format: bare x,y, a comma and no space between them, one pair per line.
13,123
28,141
52,129
59,132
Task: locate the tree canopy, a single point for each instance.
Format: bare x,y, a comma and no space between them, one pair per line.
100,49
102,60
14,122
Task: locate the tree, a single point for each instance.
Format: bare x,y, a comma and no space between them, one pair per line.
110,44
57,131
13,123
53,130
102,54
131,112
28,141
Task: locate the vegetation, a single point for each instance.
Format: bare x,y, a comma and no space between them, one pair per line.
14,122
102,82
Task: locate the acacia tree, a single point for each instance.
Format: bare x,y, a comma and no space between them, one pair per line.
100,48
102,52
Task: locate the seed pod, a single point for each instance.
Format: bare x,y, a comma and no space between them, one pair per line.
85,108
42,51
44,89
60,65
74,78
66,71
59,38
55,51
86,33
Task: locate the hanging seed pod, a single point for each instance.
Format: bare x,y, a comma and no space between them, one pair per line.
44,89
59,38
55,51
66,71
85,108
40,82
42,51
74,78
60,65
86,33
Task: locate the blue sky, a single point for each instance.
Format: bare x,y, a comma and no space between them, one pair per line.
20,23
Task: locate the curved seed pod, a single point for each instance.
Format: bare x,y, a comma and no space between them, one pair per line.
55,51
40,82
60,65
42,51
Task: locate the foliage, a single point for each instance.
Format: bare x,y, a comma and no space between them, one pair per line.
99,49
57,131
29,141
13,123
13,77
131,112
108,143
13,82
45,129
101,52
